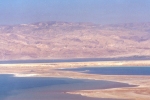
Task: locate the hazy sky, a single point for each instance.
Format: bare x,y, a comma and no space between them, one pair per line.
96,11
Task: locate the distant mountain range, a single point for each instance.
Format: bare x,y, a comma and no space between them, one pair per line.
48,40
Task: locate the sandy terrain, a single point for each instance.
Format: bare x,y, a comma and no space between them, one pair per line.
140,92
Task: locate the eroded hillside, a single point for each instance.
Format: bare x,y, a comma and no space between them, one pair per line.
72,40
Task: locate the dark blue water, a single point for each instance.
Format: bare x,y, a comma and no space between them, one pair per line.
75,60
34,88
113,70
9,83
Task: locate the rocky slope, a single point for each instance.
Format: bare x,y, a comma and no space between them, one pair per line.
73,40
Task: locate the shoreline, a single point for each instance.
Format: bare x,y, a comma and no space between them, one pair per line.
83,61
145,63
50,70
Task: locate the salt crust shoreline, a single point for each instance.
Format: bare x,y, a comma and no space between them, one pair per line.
140,92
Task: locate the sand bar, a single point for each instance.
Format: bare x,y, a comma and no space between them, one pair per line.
141,92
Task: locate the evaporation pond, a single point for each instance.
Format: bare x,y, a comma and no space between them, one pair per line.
113,70
44,88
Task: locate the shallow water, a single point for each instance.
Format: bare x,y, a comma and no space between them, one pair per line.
34,88
75,60
113,70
